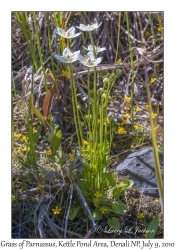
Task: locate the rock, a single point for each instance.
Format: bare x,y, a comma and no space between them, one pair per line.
140,167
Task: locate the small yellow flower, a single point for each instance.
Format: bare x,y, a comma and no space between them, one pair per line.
157,200
97,194
65,73
103,209
153,115
13,198
140,216
153,80
127,106
124,121
137,126
127,99
119,60
34,130
156,128
107,132
107,120
17,135
147,33
84,149
132,146
85,142
137,109
24,138
49,152
158,64
22,148
160,28
147,106
126,116
56,210
72,156
114,144
111,100
40,186
121,130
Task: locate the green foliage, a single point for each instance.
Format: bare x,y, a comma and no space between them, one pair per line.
73,212
152,228
114,223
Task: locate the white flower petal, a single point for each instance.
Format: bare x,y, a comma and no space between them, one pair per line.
70,33
81,58
60,32
88,27
60,58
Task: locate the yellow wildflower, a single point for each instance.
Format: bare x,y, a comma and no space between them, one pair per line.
132,146
147,106
127,99
97,194
156,128
49,152
137,126
160,28
140,216
114,144
121,130
119,60
22,148
107,132
65,73
137,109
127,106
34,130
126,116
17,135
107,120
124,121
153,115
103,209
56,210
85,142
111,100
158,64
72,156
84,149
153,80
13,198
24,138
40,186
147,33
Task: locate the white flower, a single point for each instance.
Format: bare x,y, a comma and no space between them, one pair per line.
89,59
88,27
67,34
68,56
97,49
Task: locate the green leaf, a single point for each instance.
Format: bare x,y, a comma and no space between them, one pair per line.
126,184
51,135
97,214
39,116
116,192
96,202
114,223
110,179
73,212
119,208
152,228
103,198
82,185
56,141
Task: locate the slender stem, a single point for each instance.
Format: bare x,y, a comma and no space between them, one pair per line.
132,68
